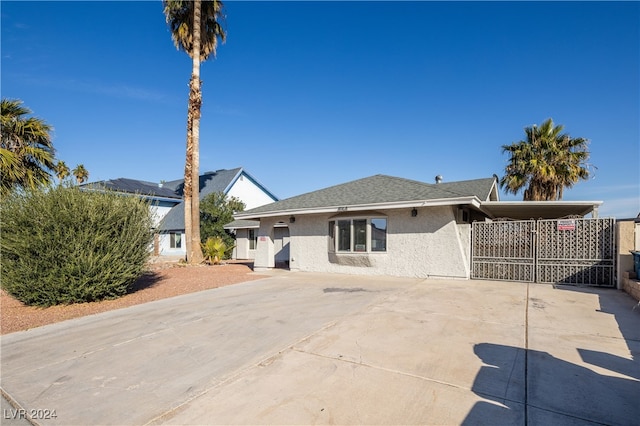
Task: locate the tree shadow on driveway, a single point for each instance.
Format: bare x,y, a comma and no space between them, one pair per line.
554,392
602,387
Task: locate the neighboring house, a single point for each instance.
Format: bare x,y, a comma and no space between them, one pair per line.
168,206
160,198
381,225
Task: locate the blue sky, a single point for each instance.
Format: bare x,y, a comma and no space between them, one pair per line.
305,95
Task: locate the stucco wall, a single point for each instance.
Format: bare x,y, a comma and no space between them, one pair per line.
428,245
264,248
242,251
627,236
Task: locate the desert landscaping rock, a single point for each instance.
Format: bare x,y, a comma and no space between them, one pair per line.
164,279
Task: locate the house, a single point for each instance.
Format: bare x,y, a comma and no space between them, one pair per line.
168,207
160,198
381,225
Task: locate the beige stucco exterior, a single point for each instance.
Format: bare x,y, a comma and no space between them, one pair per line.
628,237
429,245
243,250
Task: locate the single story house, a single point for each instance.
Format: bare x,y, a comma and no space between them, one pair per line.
168,207
381,225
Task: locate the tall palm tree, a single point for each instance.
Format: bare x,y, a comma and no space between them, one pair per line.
545,163
195,29
62,170
81,174
26,149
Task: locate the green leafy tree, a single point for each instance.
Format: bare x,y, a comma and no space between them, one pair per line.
545,163
195,29
216,210
26,149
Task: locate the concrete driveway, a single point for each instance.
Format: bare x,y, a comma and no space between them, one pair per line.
302,348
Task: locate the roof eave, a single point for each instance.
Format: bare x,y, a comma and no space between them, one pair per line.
471,200
135,194
581,208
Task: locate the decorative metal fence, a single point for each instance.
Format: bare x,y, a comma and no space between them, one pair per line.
568,251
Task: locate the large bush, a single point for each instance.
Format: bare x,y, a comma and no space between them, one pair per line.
65,245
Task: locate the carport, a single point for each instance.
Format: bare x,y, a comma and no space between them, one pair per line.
545,242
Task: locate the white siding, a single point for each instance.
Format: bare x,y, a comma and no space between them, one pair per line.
164,243
158,213
251,194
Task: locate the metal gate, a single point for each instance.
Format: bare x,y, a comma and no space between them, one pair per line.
568,251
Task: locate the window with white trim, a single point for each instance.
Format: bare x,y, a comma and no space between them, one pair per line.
253,240
175,240
358,235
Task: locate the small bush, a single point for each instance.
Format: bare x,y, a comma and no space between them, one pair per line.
214,250
65,245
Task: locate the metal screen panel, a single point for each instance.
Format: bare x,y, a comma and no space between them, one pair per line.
576,251
503,250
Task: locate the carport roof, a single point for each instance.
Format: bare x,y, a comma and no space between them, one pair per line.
522,210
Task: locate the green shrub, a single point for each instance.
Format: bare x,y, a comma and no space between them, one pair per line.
65,245
215,249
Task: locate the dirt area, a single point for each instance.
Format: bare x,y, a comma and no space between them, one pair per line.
163,280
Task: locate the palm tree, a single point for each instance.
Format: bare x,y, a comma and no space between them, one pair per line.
545,163
26,149
62,170
195,29
81,174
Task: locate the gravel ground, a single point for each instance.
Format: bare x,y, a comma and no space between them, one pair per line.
163,280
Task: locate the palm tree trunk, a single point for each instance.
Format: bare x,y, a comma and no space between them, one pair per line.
195,103
188,185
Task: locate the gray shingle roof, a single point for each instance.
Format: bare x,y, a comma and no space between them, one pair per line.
242,224
379,189
210,182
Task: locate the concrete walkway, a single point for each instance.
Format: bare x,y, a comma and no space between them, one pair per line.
302,348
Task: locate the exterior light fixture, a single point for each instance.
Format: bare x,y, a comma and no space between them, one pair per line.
414,212
292,219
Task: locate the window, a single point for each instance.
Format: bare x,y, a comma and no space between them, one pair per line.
344,235
332,235
378,234
251,235
360,235
175,240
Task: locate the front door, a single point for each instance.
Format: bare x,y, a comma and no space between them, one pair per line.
281,246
